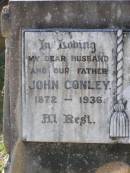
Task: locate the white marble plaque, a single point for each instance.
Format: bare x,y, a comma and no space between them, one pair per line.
69,85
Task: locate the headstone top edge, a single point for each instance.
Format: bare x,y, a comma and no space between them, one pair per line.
71,0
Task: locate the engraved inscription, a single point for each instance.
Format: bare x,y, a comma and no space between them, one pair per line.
69,82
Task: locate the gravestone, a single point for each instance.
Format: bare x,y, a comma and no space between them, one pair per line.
67,98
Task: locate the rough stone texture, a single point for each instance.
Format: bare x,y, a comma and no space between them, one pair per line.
55,157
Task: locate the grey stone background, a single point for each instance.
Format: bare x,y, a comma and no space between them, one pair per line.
53,157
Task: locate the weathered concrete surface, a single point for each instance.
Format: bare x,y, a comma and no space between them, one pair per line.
55,157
